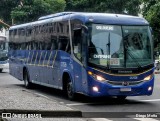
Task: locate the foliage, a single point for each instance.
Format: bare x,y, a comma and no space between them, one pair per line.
6,7
31,10
22,11
151,11
3,25
112,6
147,4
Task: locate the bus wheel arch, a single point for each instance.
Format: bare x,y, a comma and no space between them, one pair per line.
26,79
68,86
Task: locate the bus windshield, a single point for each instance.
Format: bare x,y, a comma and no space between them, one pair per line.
3,43
3,46
117,46
3,49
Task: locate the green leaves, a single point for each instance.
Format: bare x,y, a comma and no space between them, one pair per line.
111,6
151,11
32,10
6,7
22,11
56,5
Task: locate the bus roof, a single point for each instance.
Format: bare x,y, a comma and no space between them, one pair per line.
108,18
101,18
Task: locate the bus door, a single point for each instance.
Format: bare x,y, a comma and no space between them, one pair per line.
79,63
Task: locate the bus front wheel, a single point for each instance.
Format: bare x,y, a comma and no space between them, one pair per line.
70,92
121,98
27,83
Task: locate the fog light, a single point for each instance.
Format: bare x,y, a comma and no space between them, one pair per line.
149,88
95,89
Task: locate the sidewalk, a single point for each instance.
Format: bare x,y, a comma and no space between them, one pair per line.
21,101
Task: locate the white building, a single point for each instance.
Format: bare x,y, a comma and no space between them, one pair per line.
3,32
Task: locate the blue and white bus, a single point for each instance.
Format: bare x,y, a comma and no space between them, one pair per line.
95,54
3,53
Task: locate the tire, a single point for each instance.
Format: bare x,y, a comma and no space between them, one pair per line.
121,98
27,82
70,93
1,70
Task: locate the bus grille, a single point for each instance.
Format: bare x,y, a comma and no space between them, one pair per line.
117,92
121,83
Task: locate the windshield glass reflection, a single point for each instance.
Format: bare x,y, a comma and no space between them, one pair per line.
120,46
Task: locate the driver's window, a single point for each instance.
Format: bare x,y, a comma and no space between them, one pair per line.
77,44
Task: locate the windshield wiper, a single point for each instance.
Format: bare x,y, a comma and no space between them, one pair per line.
108,46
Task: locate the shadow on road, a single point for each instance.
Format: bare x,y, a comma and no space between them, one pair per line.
84,99
3,72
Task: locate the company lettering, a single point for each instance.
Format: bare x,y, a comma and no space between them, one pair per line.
104,27
102,56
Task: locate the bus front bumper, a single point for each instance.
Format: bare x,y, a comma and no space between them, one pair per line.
98,89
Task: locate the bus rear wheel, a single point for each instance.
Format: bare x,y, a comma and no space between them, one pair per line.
70,93
27,83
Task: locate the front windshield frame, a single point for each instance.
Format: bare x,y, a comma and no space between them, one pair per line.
124,55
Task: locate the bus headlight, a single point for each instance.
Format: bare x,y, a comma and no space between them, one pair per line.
97,77
148,77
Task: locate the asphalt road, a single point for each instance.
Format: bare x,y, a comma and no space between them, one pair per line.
96,109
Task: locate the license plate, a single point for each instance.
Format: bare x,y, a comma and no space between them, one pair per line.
125,89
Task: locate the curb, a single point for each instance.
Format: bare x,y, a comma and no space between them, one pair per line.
40,113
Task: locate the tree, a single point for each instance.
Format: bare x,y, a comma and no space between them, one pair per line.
6,7
3,25
147,4
151,11
112,6
31,10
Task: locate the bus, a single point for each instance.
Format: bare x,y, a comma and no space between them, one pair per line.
95,54
3,53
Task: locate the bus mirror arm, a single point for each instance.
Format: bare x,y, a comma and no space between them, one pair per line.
81,27
87,31
84,27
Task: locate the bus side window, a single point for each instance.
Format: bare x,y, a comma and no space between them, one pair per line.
54,42
68,47
62,43
48,46
43,45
